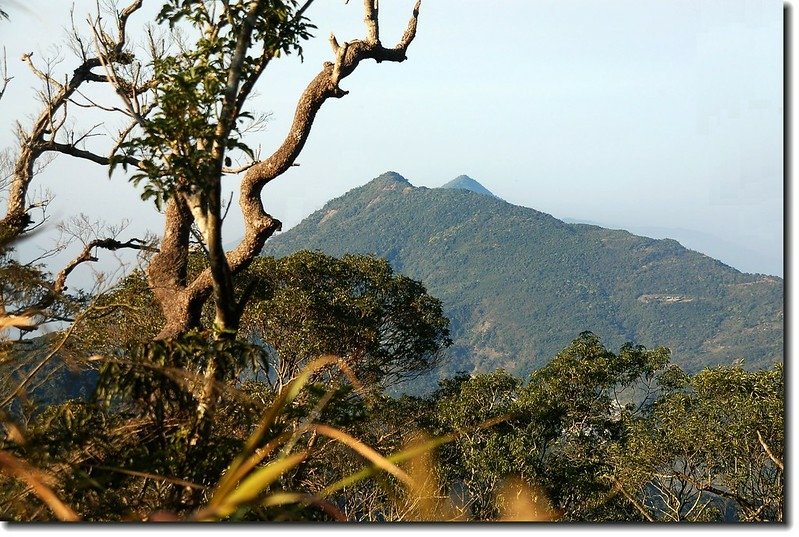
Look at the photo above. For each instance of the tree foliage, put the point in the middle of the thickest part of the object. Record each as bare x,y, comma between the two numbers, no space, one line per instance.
177,150
561,424
385,326
712,447
592,436
620,437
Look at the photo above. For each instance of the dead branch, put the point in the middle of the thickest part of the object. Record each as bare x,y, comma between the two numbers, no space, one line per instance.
71,150
239,169
86,255
42,135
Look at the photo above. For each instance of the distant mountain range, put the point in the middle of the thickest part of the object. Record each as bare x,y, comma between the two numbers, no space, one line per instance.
732,253
518,285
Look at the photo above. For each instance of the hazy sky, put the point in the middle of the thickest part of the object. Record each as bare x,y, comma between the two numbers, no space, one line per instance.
658,116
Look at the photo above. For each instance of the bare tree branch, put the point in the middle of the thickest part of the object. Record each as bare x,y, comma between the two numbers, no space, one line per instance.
769,453
4,78
41,137
86,255
69,149
370,18
33,372
266,56
122,22
745,504
44,77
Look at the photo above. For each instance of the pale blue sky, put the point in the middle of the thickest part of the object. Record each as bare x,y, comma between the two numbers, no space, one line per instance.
646,115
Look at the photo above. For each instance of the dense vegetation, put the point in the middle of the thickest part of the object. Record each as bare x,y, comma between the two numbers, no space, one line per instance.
383,325
591,436
518,284
103,417
218,385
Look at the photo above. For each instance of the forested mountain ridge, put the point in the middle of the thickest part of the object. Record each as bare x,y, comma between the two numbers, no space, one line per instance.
519,284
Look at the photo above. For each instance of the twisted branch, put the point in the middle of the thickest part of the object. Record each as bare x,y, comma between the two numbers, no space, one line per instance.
86,255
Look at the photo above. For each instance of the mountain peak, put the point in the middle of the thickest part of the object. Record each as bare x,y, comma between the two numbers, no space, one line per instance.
464,182
390,180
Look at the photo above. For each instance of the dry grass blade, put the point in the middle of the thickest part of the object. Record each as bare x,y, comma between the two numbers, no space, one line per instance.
22,322
244,461
425,501
521,502
380,462
13,432
24,472
394,459
251,488
409,453
148,475
350,374
236,475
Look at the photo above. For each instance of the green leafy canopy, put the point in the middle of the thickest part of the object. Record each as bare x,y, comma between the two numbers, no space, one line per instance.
190,87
